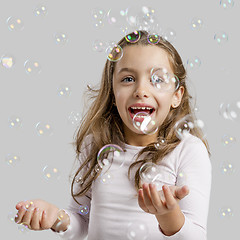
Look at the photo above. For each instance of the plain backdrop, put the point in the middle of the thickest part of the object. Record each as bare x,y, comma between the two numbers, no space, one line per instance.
34,97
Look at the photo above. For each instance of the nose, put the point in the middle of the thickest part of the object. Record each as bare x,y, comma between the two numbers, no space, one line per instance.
141,90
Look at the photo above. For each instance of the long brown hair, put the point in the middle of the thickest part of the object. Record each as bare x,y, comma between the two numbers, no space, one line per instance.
103,123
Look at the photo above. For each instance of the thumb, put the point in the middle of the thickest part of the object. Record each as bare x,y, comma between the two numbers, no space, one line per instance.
182,192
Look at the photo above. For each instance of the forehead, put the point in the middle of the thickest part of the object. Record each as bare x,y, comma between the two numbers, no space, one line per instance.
143,58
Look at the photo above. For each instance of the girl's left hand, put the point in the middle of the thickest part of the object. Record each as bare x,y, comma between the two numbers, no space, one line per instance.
162,202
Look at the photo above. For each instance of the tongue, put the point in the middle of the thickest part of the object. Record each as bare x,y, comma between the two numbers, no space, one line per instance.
140,110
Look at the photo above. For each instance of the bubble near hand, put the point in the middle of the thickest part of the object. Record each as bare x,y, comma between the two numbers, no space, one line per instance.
137,230
144,122
164,81
107,154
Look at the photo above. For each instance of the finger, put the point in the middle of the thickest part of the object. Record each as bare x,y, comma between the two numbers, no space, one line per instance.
141,200
35,225
147,198
19,204
43,221
182,192
20,215
156,200
28,215
170,201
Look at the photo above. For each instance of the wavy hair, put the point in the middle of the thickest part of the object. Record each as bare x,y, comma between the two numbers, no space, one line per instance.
104,123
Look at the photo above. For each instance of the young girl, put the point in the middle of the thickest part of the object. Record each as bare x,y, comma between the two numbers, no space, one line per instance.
126,207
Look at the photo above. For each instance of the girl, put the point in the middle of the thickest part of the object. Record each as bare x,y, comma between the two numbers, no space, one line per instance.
126,207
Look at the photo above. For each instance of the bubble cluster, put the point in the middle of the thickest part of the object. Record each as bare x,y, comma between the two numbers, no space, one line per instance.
15,24
51,173
221,37
44,129
32,67
137,230
106,155
7,61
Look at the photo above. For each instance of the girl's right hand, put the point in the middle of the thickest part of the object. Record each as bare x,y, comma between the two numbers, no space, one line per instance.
37,214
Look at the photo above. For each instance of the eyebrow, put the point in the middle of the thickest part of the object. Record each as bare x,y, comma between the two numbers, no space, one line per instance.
125,69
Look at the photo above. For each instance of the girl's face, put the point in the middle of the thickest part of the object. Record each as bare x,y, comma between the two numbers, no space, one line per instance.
132,85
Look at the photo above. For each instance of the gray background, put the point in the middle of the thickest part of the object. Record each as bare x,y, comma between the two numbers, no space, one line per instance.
34,98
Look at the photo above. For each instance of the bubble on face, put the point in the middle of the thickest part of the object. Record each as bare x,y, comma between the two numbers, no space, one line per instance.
137,230
133,37
163,81
74,117
233,110
51,173
61,38
226,4
15,24
32,67
228,140
194,62
153,38
7,61
44,129
12,159
169,34
114,53
14,122
106,155
221,37
196,23
227,168
144,122
40,10
64,90
226,212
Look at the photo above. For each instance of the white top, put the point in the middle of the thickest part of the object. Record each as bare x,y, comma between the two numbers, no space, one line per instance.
114,204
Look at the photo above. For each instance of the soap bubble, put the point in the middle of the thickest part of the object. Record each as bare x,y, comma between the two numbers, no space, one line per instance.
99,45
106,155
153,38
143,121
83,210
223,111
196,23
226,212
133,37
32,67
40,10
164,81
116,17
228,140
227,168
44,129
15,122
7,61
221,37
226,4
64,90
61,38
114,53
169,34
12,159
98,14
137,230
233,110
74,118
194,62
15,24
51,173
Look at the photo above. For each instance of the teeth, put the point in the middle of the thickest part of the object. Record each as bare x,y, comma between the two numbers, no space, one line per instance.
143,108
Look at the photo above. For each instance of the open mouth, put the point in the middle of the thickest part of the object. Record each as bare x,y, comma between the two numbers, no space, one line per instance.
147,111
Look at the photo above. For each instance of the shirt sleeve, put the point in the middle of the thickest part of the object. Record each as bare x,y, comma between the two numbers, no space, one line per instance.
78,228
195,171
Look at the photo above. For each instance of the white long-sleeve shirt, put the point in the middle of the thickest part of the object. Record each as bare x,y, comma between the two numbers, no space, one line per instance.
114,205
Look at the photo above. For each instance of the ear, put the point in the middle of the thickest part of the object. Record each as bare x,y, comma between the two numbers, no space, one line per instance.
177,97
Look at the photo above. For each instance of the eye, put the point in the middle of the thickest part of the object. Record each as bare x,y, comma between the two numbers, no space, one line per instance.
157,79
127,79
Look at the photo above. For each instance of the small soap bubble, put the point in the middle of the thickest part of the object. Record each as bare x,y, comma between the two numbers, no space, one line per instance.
133,37
223,111
106,155
51,173
221,37
40,10
132,13
144,122
137,230
114,53
98,14
12,216
153,38
226,4
83,209
233,110
44,129
196,23
169,35
15,24
99,45
163,81
116,17
74,117
184,126
23,228
32,67
106,178
182,178
226,212
7,61
227,168
98,24
228,140
12,159
15,122
64,90
148,12
194,62
61,38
